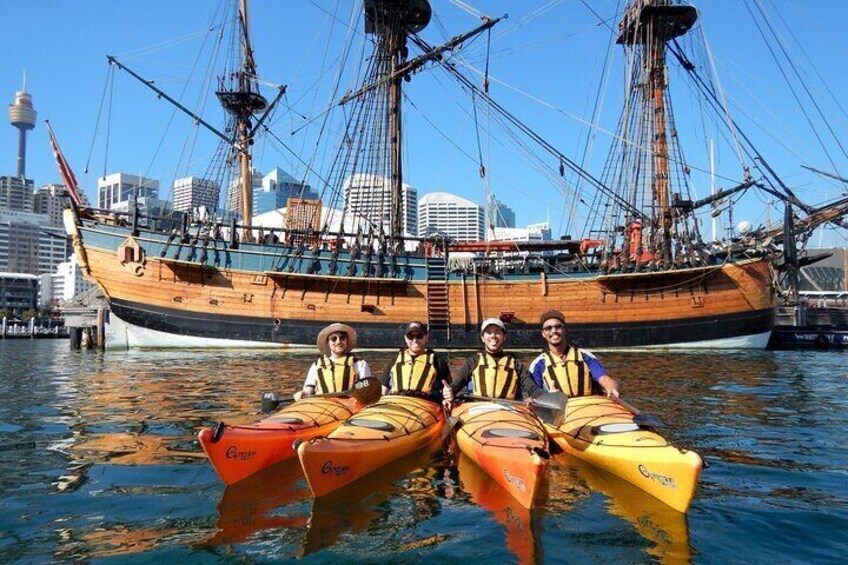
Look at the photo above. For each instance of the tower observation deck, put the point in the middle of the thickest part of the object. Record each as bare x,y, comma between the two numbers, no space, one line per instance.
22,115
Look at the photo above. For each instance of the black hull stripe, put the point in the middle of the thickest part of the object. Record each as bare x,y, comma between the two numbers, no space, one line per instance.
386,335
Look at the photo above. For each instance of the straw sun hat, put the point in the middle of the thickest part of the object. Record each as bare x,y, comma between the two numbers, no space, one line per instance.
324,335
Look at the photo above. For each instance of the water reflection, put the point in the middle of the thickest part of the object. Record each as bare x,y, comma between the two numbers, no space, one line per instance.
107,464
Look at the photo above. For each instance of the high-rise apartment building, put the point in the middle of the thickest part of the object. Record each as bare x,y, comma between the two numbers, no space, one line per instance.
500,215
370,197
234,192
48,200
277,187
28,244
122,187
16,194
451,215
194,192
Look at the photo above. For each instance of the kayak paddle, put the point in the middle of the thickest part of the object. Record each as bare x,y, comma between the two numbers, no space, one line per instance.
365,391
642,419
549,407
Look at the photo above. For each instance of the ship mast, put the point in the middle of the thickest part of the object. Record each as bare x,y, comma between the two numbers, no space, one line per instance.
242,103
648,25
392,21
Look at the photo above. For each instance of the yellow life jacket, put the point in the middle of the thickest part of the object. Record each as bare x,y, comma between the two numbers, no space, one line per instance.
496,378
335,376
414,373
572,376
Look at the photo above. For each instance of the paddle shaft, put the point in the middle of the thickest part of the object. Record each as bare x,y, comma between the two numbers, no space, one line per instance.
366,391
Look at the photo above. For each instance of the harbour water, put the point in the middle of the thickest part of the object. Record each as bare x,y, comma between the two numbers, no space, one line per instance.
101,465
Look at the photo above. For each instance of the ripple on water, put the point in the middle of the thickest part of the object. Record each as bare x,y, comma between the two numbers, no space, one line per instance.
107,467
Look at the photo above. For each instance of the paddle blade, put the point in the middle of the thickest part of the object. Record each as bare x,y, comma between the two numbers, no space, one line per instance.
367,391
550,407
270,402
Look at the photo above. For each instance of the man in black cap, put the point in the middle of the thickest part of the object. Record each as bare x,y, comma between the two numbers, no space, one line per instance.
417,369
493,372
563,366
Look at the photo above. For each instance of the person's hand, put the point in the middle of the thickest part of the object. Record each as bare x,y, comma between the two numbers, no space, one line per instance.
528,401
447,398
610,386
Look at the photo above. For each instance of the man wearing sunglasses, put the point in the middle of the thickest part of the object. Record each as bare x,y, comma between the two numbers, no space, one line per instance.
337,368
417,369
493,372
564,367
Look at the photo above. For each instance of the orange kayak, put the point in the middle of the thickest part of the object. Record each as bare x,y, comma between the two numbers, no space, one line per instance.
381,433
240,451
508,442
602,432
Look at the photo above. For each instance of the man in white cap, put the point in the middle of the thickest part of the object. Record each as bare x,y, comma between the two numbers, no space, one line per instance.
416,368
493,372
337,368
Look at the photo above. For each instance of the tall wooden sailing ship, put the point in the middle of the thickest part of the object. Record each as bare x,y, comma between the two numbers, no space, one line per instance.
644,279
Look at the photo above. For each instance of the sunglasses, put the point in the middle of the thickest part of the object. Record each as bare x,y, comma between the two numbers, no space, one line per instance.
553,327
414,336
340,337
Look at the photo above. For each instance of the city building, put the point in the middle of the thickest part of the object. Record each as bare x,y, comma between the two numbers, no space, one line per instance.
370,197
18,292
16,194
194,192
29,244
277,187
63,284
48,200
500,215
450,215
121,187
233,207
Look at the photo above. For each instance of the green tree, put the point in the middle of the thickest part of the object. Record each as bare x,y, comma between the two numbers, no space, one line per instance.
5,313
28,315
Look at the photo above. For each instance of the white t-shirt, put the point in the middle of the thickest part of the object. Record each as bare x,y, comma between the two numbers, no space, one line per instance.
360,368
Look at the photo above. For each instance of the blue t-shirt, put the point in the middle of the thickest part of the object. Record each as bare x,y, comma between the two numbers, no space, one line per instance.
537,367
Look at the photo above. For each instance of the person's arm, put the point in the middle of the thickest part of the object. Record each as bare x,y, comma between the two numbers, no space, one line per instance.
600,376
527,386
386,378
442,391
537,370
309,385
363,370
460,381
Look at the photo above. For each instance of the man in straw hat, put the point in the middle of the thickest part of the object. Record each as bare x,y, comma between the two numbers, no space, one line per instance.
563,366
337,368
493,372
418,369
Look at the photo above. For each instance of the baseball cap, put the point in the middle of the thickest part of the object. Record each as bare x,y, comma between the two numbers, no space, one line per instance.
555,314
417,327
492,322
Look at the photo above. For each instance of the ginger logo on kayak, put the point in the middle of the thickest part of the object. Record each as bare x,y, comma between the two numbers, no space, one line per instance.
328,468
234,453
517,481
661,479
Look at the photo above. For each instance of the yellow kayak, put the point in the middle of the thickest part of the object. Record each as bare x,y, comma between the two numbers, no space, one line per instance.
601,432
381,433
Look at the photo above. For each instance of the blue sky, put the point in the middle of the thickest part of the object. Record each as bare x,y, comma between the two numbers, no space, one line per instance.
551,51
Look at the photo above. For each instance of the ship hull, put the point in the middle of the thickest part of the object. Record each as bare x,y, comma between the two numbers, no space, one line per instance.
267,296
141,325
